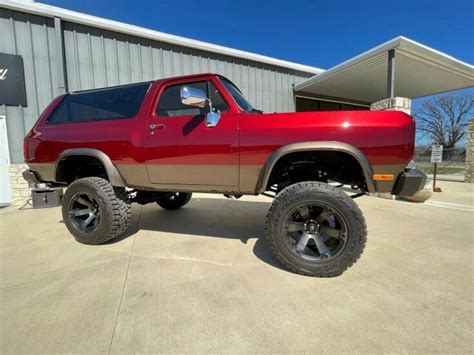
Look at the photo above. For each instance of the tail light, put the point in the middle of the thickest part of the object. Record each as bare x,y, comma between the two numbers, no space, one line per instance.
26,154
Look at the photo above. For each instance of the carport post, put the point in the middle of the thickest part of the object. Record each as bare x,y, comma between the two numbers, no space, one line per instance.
391,74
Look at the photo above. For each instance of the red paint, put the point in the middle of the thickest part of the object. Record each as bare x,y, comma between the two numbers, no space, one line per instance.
386,137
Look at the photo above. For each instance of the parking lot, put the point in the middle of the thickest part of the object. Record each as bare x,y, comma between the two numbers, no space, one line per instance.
202,279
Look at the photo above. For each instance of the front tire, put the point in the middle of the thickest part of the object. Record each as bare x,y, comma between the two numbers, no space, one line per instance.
315,229
94,211
174,201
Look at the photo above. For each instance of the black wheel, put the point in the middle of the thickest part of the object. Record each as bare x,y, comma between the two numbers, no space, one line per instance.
94,211
174,200
315,229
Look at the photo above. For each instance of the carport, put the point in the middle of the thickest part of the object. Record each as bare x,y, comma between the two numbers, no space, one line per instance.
399,67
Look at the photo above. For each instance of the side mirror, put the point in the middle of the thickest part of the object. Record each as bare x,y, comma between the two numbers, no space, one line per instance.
212,119
193,97
197,98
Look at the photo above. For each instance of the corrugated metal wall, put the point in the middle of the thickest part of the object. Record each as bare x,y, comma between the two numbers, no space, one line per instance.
97,58
32,37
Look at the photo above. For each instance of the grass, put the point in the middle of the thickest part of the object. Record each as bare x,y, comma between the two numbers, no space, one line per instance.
442,170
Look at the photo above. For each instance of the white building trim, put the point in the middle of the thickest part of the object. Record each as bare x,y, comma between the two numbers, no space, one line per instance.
94,21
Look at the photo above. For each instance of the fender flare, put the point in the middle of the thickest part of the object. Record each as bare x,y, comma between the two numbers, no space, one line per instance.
113,174
334,146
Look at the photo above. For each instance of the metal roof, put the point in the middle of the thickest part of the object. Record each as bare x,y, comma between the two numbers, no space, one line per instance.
419,71
88,20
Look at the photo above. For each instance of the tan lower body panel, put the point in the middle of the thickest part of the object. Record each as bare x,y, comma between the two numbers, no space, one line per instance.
249,175
211,175
385,186
44,170
134,174
210,178
205,178
199,178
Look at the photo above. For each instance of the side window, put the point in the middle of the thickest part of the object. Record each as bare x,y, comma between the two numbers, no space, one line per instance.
170,101
101,104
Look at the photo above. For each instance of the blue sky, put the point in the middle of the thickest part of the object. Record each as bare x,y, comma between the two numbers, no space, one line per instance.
317,33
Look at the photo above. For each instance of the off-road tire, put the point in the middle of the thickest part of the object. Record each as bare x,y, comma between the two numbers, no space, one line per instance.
309,192
179,200
114,206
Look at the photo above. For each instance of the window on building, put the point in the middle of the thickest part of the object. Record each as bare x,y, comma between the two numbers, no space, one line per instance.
103,104
304,104
170,101
329,106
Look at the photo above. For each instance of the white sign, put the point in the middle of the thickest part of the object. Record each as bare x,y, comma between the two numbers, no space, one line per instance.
436,153
3,74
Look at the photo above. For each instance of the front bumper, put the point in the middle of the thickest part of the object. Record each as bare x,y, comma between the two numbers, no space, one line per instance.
409,183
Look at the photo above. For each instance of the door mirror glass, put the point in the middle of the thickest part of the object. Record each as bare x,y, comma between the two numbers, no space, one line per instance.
193,97
212,119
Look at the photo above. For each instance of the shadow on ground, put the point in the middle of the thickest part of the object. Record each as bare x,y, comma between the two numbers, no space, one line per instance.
209,217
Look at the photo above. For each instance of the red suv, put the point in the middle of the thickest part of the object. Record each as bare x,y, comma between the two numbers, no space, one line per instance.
160,141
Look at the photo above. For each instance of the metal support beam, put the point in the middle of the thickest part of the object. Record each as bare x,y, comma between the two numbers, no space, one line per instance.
61,55
391,74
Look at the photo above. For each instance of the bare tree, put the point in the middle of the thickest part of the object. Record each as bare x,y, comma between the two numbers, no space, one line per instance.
444,118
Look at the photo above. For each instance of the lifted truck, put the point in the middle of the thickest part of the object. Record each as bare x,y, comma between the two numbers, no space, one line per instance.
160,141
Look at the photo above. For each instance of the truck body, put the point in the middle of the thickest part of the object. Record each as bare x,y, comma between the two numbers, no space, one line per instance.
160,141
180,153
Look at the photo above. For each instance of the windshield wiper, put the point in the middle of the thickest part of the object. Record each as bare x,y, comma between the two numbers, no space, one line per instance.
256,111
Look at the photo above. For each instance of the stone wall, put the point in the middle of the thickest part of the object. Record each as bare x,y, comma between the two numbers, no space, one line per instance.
468,176
19,187
393,104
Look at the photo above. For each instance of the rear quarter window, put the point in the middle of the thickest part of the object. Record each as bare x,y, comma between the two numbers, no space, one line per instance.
103,104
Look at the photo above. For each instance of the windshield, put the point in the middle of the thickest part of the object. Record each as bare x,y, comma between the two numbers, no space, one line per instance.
237,95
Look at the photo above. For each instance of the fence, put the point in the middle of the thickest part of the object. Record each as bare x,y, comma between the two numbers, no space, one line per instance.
453,161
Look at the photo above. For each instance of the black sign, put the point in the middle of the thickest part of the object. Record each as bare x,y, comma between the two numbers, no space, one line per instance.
12,80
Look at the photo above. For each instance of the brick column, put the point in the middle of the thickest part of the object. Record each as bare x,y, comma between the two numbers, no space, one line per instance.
19,187
468,175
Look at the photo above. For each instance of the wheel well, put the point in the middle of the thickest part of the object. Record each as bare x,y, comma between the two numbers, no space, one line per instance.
75,167
316,166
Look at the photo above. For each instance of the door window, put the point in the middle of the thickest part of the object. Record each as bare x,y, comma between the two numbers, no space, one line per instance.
170,101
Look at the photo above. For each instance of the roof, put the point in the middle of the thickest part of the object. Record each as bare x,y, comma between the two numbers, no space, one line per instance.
94,21
419,71
161,80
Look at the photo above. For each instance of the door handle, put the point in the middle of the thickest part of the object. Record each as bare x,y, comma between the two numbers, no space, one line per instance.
154,126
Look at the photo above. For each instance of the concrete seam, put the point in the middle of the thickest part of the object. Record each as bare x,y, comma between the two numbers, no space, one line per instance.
124,284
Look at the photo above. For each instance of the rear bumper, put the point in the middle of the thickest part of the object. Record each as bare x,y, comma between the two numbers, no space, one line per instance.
31,177
409,183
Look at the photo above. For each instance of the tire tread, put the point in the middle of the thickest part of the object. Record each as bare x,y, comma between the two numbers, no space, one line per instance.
347,259
118,202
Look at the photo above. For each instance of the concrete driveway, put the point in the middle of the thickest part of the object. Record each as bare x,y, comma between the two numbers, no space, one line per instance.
201,279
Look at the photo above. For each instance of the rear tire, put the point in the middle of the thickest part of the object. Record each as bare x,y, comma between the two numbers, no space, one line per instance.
174,201
315,229
94,211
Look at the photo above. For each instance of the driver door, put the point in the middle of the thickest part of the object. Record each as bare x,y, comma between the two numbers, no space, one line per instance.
182,152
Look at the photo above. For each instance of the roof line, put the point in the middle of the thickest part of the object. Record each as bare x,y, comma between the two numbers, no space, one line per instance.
401,43
435,51
94,21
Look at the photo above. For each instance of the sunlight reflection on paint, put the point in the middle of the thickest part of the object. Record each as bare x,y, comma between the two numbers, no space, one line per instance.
346,124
